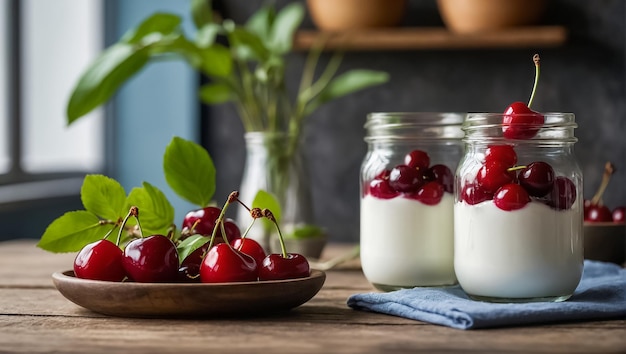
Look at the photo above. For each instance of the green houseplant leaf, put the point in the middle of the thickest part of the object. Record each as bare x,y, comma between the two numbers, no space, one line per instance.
284,27
160,23
156,214
201,12
72,231
189,171
216,93
217,61
104,197
110,70
265,200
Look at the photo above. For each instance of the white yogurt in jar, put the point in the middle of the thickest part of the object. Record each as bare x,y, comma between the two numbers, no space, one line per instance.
405,243
535,252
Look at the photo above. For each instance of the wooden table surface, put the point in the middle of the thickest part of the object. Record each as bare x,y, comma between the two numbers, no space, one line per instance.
36,318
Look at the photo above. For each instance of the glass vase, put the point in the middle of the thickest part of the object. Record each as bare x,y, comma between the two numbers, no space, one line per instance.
275,163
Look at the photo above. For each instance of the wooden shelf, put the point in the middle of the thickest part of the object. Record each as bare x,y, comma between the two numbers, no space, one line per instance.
420,38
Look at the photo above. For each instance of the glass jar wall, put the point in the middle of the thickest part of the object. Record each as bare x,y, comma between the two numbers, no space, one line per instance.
407,181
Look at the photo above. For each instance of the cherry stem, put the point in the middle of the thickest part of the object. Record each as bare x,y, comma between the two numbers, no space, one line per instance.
219,223
133,211
516,168
532,95
606,177
269,215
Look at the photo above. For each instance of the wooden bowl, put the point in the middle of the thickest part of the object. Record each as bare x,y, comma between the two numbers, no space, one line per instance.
342,15
472,16
605,241
128,299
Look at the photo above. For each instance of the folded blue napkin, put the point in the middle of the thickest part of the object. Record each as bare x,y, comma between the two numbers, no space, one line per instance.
601,294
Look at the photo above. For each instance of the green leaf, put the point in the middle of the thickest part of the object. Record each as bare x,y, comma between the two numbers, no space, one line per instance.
217,61
216,93
346,83
261,22
247,45
306,231
206,35
189,171
190,244
266,200
160,23
104,197
110,70
284,27
156,214
72,231
201,12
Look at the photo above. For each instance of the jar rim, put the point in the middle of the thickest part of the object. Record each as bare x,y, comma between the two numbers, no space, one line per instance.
557,127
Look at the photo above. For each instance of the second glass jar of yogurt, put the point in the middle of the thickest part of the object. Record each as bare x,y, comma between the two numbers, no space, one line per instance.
407,182
518,210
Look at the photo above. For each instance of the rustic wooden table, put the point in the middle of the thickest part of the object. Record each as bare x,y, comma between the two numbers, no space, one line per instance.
36,318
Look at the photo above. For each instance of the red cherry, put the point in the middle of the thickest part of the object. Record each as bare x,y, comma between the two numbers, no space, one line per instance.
429,194
224,264
618,214
503,153
493,175
473,194
152,259
443,175
520,122
563,194
537,178
249,247
380,188
277,267
598,213
204,220
406,179
417,159
100,260
511,197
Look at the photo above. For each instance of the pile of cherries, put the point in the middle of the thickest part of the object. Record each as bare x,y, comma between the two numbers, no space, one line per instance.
511,187
415,179
227,256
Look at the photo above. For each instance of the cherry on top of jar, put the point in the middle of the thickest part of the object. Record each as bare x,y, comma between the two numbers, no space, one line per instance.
414,125
557,128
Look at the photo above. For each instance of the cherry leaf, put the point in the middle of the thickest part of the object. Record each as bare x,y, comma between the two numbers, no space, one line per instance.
156,214
72,231
103,196
190,244
189,171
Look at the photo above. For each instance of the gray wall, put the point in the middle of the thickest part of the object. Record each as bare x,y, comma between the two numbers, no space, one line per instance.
586,76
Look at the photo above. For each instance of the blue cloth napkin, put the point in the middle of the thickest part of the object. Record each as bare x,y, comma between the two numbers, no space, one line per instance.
601,294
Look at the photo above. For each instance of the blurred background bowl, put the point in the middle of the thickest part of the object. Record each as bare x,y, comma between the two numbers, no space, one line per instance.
605,241
471,16
343,15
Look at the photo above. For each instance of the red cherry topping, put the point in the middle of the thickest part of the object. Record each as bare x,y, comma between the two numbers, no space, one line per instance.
520,122
493,175
406,179
473,194
563,194
380,188
503,153
429,194
224,264
442,175
511,197
100,260
537,178
276,267
417,159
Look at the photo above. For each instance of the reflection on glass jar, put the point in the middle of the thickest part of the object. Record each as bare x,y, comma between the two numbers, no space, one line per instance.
518,211
407,181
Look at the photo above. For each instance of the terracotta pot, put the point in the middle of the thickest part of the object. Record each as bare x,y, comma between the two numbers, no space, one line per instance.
471,16
342,15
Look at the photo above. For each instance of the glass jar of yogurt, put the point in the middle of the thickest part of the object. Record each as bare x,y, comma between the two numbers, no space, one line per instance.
407,200
518,210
